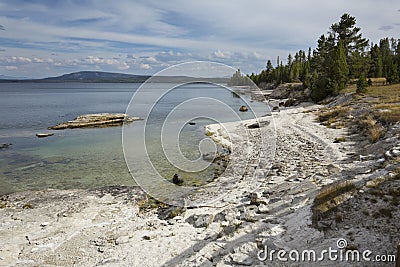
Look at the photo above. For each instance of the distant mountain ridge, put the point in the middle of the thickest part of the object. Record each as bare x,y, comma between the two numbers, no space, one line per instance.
113,77
5,77
85,76
97,76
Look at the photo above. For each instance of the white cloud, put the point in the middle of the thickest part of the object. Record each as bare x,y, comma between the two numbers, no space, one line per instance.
153,35
123,66
15,59
11,68
220,54
145,66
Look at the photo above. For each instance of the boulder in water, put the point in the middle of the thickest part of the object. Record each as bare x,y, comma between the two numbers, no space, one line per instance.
5,146
243,108
177,180
42,135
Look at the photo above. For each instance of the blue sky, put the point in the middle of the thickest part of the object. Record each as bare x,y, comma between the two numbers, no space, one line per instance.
49,38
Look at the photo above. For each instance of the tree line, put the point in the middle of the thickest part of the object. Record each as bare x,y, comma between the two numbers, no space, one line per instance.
341,55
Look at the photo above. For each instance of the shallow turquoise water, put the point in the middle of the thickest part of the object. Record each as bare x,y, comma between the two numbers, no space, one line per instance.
88,158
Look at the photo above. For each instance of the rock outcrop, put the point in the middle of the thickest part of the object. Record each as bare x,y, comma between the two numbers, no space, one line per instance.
294,91
95,120
5,146
243,109
42,135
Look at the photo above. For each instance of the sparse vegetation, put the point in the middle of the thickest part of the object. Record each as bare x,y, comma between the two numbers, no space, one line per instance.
209,133
149,203
340,139
330,116
330,197
376,132
386,212
27,206
330,192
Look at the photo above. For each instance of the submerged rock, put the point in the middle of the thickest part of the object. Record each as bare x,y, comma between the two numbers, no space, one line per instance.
95,120
5,146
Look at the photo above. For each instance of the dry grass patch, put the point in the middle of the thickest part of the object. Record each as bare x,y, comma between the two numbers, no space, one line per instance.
376,132
330,197
371,128
340,139
330,116
386,91
388,113
332,191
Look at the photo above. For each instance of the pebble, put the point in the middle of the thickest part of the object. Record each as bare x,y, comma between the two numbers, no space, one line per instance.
122,240
202,220
381,160
395,152
263,209
241,259
388,154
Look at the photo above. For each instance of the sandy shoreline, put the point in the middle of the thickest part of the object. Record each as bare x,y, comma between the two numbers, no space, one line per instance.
106,227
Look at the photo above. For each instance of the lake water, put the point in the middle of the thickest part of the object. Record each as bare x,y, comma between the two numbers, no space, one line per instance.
92,158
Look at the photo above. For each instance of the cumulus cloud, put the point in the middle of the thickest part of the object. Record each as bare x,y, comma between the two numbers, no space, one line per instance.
11,67
220,54
145,66
145,36
15,59
123,66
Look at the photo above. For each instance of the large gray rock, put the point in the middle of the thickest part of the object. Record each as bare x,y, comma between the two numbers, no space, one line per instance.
202,220
241,259
292,91
95,120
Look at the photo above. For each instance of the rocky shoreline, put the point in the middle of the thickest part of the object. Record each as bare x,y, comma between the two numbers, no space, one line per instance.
120,226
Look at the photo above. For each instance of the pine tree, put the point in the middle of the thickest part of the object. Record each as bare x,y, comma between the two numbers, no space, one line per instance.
346,31
362,84
376,62
353,42
289,73
269,66
339,68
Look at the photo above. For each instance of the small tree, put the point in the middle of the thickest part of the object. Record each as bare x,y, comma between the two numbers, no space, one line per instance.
339,69
238,79
362,84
